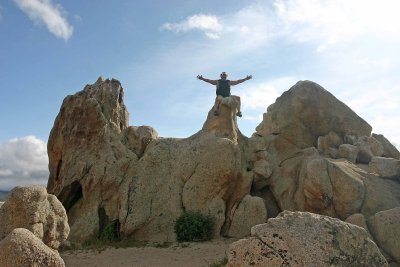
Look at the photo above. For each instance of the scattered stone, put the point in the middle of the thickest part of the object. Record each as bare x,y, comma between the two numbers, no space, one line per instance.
250,211
385,167
389,150
331,140
368,147
348,152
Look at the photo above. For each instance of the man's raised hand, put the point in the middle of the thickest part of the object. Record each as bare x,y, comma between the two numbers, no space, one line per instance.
200,77
248,77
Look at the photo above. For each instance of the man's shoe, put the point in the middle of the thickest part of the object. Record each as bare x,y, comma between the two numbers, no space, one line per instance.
216,113
239,114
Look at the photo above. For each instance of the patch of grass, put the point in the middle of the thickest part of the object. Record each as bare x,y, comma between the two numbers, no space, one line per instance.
101,245
163,245
194,226
108,233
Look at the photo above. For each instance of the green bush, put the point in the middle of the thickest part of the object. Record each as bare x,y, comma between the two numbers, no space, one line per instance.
109,233
194,226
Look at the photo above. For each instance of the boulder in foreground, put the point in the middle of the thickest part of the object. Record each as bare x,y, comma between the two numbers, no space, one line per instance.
22,248
305,239
33,209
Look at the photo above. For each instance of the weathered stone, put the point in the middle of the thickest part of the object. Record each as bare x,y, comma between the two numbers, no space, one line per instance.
262,170
348,152
137,138
250,211
307,111
253,252
350,139
380,194
389,150
385,227
330,140
320,185
223,125
305,239
33,209
141,183
368,147
385,167
22,248
105,172
359,220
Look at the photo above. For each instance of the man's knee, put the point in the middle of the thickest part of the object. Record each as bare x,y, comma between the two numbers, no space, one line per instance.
218,98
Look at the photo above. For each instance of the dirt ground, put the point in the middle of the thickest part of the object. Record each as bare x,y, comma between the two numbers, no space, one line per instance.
176,254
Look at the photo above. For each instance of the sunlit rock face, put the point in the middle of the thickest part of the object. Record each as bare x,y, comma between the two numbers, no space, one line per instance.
310,153
305,239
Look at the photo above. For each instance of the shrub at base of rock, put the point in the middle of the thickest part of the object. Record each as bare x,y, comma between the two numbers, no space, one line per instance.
194,226
305,239
22,248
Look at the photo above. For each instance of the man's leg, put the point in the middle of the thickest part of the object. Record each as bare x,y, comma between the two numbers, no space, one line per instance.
237,100
218,100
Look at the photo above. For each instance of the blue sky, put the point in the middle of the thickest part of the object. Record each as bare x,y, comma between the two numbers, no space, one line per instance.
50,49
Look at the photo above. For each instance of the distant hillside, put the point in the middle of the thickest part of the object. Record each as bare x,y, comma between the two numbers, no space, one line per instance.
3,195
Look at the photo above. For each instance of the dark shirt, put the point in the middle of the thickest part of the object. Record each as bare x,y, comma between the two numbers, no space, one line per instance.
224,88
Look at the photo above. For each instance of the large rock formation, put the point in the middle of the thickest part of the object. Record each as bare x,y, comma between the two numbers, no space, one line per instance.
106,172
310,153
305,239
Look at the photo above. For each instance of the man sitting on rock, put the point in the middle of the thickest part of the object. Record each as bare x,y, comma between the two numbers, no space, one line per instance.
224,90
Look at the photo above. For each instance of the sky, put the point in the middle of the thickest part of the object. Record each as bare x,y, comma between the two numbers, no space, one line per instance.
52,48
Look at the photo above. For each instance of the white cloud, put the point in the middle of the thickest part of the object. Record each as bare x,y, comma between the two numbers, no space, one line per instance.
260,95
44,11
254,119
209,24
352,48
23,161
324,23
334,21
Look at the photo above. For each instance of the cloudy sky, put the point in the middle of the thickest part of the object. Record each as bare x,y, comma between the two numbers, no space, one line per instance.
52,48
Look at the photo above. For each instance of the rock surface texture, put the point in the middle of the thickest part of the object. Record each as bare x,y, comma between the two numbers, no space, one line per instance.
22,248
35,210
310,153
305,239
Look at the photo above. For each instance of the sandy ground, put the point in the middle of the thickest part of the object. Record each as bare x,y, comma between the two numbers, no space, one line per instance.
184,254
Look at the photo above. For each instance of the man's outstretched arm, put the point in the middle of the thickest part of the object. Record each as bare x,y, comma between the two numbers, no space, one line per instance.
213,82
248,77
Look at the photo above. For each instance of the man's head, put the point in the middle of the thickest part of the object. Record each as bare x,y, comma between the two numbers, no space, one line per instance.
223,75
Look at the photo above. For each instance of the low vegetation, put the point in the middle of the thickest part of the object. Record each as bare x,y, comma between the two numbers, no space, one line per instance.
194,226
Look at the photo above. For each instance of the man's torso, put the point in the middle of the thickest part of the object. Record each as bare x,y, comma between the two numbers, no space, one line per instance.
223,88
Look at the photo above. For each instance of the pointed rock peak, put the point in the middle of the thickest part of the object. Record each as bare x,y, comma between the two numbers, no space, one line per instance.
100,80
224,124
307,111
